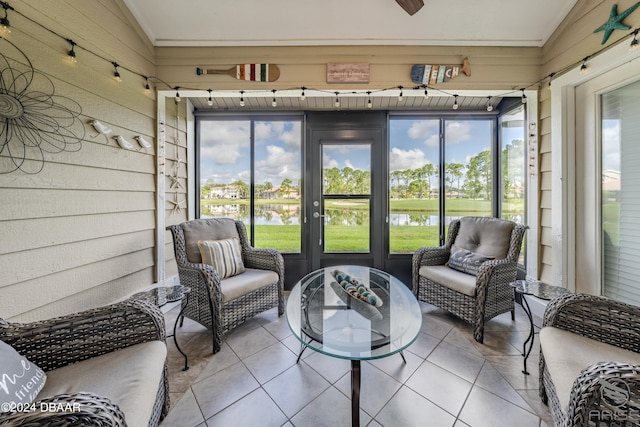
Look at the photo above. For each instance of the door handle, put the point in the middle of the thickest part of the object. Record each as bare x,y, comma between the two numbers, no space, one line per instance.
317,215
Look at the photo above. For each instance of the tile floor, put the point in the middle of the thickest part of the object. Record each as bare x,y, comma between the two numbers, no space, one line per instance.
448,380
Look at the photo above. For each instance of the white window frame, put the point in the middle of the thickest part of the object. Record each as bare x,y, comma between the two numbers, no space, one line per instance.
563,146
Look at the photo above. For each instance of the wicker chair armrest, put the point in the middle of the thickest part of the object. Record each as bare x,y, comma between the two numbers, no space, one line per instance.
61,341
593,394
495,271
264,259
79,409
599,318
428,255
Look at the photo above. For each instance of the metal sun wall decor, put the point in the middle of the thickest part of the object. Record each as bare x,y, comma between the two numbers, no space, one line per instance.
33,119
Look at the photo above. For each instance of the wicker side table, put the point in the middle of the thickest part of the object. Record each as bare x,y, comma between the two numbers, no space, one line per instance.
541,291
163,295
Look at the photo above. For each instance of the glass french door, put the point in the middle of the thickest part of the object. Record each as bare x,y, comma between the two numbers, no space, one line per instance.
346,204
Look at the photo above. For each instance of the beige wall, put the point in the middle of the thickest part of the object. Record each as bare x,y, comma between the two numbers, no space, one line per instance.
572,41
81,233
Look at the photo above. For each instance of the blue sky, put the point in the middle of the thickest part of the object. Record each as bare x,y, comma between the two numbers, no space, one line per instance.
225,144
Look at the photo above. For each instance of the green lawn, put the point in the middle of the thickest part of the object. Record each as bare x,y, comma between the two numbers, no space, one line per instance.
348,238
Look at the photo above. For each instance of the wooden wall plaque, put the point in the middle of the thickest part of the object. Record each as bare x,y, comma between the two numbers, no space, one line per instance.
348,73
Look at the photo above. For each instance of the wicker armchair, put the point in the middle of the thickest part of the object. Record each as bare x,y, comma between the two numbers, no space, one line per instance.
588,344
63,341
211,302
477,297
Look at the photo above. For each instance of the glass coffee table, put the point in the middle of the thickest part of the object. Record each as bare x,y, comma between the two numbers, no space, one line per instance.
383,320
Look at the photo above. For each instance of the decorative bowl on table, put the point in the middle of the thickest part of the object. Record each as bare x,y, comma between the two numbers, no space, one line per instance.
356,294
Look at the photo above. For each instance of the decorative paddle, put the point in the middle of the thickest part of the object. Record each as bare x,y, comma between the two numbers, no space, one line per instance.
433,74
254,72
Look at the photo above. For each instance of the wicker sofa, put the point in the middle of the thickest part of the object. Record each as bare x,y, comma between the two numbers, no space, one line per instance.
109,364
590,361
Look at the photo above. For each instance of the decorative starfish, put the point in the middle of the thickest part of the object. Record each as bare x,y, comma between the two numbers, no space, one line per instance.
177,204
615,22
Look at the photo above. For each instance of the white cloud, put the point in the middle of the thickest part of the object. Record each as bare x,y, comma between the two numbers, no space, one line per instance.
427,130
223,142
406,159
278,164
457,132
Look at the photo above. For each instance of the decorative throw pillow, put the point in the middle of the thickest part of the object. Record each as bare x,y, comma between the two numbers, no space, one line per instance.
20,380
224,255
466,261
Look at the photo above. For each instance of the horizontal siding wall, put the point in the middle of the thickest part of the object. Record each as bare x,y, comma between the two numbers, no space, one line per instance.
500,68
571,42
81,233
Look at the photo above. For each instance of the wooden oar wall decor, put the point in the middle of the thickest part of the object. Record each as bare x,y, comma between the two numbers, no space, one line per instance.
434,74
251,72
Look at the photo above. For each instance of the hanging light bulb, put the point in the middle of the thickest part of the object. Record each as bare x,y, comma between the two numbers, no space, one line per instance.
425,91
147,88
242,98
489,106
177,94
455,102
634,42
337,103
302,95
274,103
4,22
210,100
524,97
583,68
369,103
116,74
550,80
71,54
400,99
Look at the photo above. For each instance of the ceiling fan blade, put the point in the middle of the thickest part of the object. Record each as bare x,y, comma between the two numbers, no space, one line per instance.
411,6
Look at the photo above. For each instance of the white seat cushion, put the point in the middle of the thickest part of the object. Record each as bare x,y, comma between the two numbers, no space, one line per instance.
247,282
128,377
567,354
452,279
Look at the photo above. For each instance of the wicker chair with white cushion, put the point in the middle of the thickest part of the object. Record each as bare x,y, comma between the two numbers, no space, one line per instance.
590,361
233,282
469,276
104,367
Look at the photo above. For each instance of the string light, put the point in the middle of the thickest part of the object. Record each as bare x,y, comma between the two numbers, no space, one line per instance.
147,88
634,42
583,68
489,106
177,88
524,97
242,98
210,100
71,55
302,95
116,74
337,103
550,80
274,103
4,22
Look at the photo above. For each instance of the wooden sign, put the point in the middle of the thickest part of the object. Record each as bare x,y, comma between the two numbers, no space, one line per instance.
434,74
348,73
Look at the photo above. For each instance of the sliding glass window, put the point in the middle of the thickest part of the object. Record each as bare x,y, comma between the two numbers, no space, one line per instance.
251,169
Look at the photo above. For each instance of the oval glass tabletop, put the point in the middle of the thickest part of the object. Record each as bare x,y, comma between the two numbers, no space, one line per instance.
353,312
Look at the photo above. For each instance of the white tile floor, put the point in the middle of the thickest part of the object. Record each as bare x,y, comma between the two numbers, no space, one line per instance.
448,379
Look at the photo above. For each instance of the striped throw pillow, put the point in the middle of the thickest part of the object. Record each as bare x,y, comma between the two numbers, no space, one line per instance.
224,255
